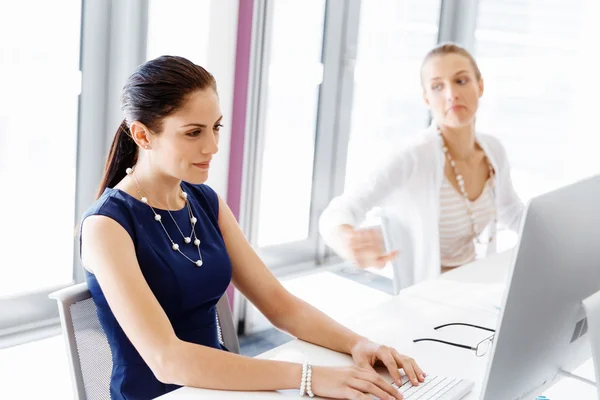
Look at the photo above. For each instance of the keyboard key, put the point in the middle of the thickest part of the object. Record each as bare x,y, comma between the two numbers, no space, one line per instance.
434,388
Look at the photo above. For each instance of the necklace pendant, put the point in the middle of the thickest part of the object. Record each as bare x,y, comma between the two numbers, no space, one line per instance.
194,220
198,263
187,240
197,242
175,246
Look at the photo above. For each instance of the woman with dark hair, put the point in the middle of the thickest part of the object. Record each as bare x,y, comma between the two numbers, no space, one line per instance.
160,248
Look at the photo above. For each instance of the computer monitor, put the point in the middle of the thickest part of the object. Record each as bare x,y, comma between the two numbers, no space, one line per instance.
555,266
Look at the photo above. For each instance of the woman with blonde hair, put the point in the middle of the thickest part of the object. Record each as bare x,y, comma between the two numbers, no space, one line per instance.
448,189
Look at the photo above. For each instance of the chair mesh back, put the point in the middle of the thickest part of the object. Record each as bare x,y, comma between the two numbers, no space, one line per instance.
93,350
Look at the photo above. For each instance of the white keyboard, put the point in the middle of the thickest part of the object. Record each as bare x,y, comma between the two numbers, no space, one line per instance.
435,388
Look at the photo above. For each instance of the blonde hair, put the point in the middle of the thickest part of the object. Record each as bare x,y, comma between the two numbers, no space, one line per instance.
451,48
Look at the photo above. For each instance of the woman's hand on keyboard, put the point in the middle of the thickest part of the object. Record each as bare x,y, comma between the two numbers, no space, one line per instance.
367,354
351,383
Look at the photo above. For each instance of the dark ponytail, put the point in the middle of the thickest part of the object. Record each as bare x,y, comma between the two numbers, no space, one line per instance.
156,89
122,155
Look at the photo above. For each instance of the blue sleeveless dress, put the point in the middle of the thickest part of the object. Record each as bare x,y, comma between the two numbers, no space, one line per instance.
188,294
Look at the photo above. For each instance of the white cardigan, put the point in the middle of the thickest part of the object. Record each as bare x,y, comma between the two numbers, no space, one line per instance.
407,187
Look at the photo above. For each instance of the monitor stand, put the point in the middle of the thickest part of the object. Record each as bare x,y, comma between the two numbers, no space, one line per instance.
591,305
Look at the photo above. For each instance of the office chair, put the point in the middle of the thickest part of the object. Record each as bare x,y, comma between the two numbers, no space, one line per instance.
90,358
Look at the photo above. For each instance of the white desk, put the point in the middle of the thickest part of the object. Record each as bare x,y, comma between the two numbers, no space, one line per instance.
407,316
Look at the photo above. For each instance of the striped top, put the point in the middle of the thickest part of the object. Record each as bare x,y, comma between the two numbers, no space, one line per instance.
457,245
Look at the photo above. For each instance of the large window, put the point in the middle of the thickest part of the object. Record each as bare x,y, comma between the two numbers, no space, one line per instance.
61,79
337,82
288,101
39,107
540,71
332,81
295,73
59,108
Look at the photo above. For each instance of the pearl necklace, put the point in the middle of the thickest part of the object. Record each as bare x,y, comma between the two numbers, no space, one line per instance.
461,185
158,218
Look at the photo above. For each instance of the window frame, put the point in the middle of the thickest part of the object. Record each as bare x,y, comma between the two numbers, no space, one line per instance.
337,56
340,43
109,32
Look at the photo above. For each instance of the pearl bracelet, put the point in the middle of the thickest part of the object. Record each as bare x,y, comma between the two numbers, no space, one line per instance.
306,384
303,382
309,382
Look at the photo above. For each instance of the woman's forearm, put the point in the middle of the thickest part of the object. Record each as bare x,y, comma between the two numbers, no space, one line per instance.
189,364
311,325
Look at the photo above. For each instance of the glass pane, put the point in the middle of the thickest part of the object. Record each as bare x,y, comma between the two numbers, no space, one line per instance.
295,75
394,36
178,28
40,83
539,66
